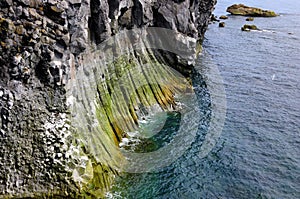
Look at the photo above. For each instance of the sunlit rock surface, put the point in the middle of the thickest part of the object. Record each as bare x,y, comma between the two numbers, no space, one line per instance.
241,9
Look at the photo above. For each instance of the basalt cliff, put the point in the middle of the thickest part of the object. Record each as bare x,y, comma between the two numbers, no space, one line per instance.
45,45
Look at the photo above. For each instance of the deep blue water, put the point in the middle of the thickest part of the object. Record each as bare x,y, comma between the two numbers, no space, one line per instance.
258,152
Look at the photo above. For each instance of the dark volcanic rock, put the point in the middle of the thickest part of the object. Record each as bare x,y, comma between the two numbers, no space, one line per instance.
241,9
5,3
214,18
40,47
222,24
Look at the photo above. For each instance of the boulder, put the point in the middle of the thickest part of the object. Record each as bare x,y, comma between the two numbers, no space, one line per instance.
241,9
223,17
248,27
222,24
250,19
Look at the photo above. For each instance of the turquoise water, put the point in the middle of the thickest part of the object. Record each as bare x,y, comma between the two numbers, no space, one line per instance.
257,155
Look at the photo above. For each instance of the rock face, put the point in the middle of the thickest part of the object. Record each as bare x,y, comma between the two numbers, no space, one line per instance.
241,9
40,47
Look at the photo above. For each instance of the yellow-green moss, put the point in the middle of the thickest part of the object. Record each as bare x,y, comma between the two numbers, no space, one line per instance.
123,87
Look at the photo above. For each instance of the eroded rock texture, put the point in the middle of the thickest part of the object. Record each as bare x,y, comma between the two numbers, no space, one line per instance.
40,42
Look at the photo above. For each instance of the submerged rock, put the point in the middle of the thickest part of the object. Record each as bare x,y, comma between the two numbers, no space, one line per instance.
241,9
250,19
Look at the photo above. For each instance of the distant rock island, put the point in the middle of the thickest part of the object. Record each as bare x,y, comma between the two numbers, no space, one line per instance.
241,9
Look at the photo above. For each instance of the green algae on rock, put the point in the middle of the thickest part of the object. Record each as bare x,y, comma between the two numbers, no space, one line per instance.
117,111
116,90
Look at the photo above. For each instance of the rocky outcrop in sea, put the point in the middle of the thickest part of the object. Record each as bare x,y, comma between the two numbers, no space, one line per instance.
241,9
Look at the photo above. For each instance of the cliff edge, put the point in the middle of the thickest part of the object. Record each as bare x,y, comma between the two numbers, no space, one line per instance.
41,48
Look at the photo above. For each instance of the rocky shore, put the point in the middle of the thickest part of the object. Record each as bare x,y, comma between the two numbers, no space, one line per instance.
41,48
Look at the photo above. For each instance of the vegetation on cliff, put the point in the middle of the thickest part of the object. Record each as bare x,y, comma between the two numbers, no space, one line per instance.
41,50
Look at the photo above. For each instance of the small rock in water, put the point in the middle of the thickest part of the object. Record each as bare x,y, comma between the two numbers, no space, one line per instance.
222,24
223,17
248,27
213,18
250,19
